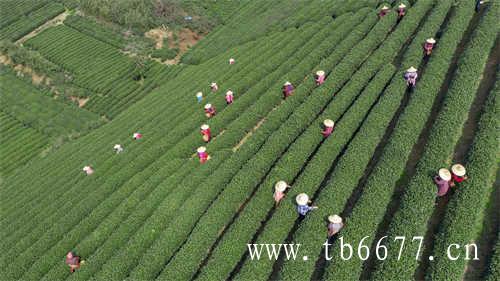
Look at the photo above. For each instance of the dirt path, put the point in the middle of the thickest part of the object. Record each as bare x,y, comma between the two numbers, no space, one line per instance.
248,135
53,22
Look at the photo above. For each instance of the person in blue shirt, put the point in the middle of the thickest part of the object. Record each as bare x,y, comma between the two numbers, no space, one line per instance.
303,204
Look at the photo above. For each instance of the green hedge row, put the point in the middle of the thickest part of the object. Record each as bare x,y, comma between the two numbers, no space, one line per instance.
463,220
230,168
418,201
494,268
149,156
25,24
182,265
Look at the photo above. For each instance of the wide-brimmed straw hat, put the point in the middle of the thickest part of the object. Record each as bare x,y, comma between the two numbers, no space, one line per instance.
287,83
281,186
231,59
402,5
444,174
117,146
320,73
199,94
302,199
335,219
204,127
385,8
458,170
201,149
213,84
412,69
430,40
328,123
208,105
229,93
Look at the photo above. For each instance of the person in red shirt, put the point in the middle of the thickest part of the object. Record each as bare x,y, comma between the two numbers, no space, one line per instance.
73,261
428,46
205,132
458,174
329,126
279,191
384,11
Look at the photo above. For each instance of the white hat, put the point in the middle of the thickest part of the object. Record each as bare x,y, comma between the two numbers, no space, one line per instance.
320,73
117,146
231,59
430,40
199,94
302,199
411,69
229,93
86,168
328,123
213,84
201,149
204,127
287,83
402,5
458,170
335,219
208,105
444,174
281,186
385,8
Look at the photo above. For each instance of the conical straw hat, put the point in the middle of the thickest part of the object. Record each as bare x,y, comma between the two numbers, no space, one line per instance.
213,84
201,149
328,123
458,170
385,8
204,127
302,199
335,219
208,105
402,5
412,69
287,83
229,93
281,186
430,40
444,174
320,73
199,94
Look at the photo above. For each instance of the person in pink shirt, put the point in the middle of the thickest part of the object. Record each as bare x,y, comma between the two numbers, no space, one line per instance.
202,154
329,127
279,191
287,89
442,180
320,77
88,170
137,136
335,224
401,11
205,132
229,97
